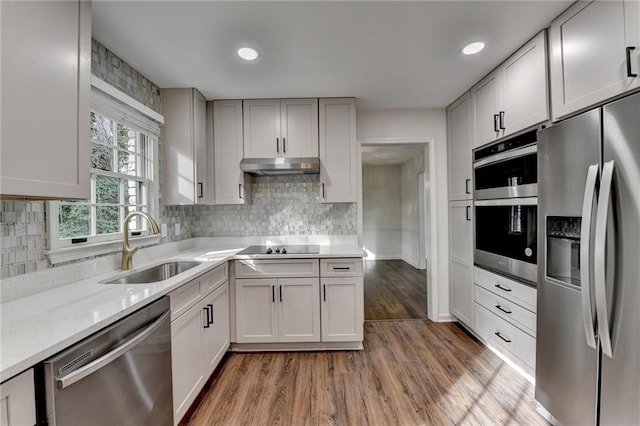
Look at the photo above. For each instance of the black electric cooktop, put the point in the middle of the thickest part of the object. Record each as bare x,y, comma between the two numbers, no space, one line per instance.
284,249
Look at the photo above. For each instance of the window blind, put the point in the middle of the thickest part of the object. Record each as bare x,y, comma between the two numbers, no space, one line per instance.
106,104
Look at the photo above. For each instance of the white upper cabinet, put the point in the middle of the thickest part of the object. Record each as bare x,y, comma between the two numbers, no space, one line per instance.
338,150
280,128
486,98
185,151
514,96
46,66
231,185
299,127
459,132
595,54
526,94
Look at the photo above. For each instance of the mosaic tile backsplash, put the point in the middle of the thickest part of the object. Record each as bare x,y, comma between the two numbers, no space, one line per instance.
282,205
23,237
110,68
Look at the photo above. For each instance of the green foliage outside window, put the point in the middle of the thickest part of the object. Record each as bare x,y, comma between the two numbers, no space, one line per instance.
112,193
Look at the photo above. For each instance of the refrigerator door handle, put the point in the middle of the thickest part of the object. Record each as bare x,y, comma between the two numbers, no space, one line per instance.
600,251
585,255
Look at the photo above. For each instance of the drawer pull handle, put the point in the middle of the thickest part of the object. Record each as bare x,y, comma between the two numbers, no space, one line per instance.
502,288
341,268
506,311
506,339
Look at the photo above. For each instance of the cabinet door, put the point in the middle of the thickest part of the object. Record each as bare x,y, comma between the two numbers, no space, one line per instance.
256,316
187,372
486,101
18,401
299,128
298,310
216,335
588,54
45,80
227,145
204,191
459,130
338,150
183,146
461,260
342,309
262,128
526,101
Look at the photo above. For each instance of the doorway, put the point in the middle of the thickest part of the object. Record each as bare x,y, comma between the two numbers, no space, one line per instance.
395,230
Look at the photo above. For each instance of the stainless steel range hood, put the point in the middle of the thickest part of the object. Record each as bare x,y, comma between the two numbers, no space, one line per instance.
280,166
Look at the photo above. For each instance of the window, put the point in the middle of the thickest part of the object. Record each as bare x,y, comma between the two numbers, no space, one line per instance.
119,182
123,180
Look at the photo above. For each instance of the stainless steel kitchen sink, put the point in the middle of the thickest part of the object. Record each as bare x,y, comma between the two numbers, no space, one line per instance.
161,272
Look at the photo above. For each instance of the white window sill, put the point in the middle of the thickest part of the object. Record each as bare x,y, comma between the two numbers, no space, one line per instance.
69,254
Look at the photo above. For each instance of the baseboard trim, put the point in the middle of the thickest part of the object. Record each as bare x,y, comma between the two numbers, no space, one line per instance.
310,346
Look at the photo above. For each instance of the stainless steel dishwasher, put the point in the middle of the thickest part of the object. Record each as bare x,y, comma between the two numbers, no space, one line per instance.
120,375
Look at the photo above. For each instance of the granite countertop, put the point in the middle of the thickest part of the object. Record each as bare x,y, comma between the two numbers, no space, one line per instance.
37,326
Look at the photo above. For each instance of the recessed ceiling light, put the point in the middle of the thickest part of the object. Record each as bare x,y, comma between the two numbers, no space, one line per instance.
248,53
473,48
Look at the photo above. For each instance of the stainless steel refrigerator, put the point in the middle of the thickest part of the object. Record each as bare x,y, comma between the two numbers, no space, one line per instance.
588,334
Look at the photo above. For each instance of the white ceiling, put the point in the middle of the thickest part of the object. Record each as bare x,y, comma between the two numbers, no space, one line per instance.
388,54
389,155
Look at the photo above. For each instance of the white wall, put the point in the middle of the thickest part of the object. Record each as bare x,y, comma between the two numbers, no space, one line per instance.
415,125
410,214
382,213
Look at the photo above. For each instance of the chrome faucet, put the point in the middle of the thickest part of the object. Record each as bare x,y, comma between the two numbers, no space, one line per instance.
127,253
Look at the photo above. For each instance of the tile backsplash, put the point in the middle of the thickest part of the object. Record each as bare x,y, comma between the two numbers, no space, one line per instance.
23,237
282,205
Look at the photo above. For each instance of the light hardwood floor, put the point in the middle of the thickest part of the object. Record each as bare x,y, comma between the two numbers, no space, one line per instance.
412,372
393,289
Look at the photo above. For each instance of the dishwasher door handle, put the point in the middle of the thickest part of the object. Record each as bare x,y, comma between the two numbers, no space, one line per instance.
107,358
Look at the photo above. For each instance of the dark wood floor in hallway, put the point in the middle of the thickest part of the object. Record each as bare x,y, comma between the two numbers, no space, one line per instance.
393,289
411,372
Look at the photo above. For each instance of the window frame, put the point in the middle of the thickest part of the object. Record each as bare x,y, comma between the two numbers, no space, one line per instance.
62,249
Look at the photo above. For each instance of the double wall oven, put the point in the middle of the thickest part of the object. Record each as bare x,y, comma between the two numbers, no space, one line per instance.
505,201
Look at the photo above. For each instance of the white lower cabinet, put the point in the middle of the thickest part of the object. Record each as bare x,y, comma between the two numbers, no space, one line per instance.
512,342
17,400
216,340
187,347
504,316
342,309
298,302
270,310
461,260
199,336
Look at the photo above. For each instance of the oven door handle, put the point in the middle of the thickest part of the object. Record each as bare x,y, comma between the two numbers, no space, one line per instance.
585,256
523,201
112,355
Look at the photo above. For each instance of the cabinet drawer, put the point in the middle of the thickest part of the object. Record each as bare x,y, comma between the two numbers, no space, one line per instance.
281,268
214,278
184,297
351,267
506,309
512,290
512,342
